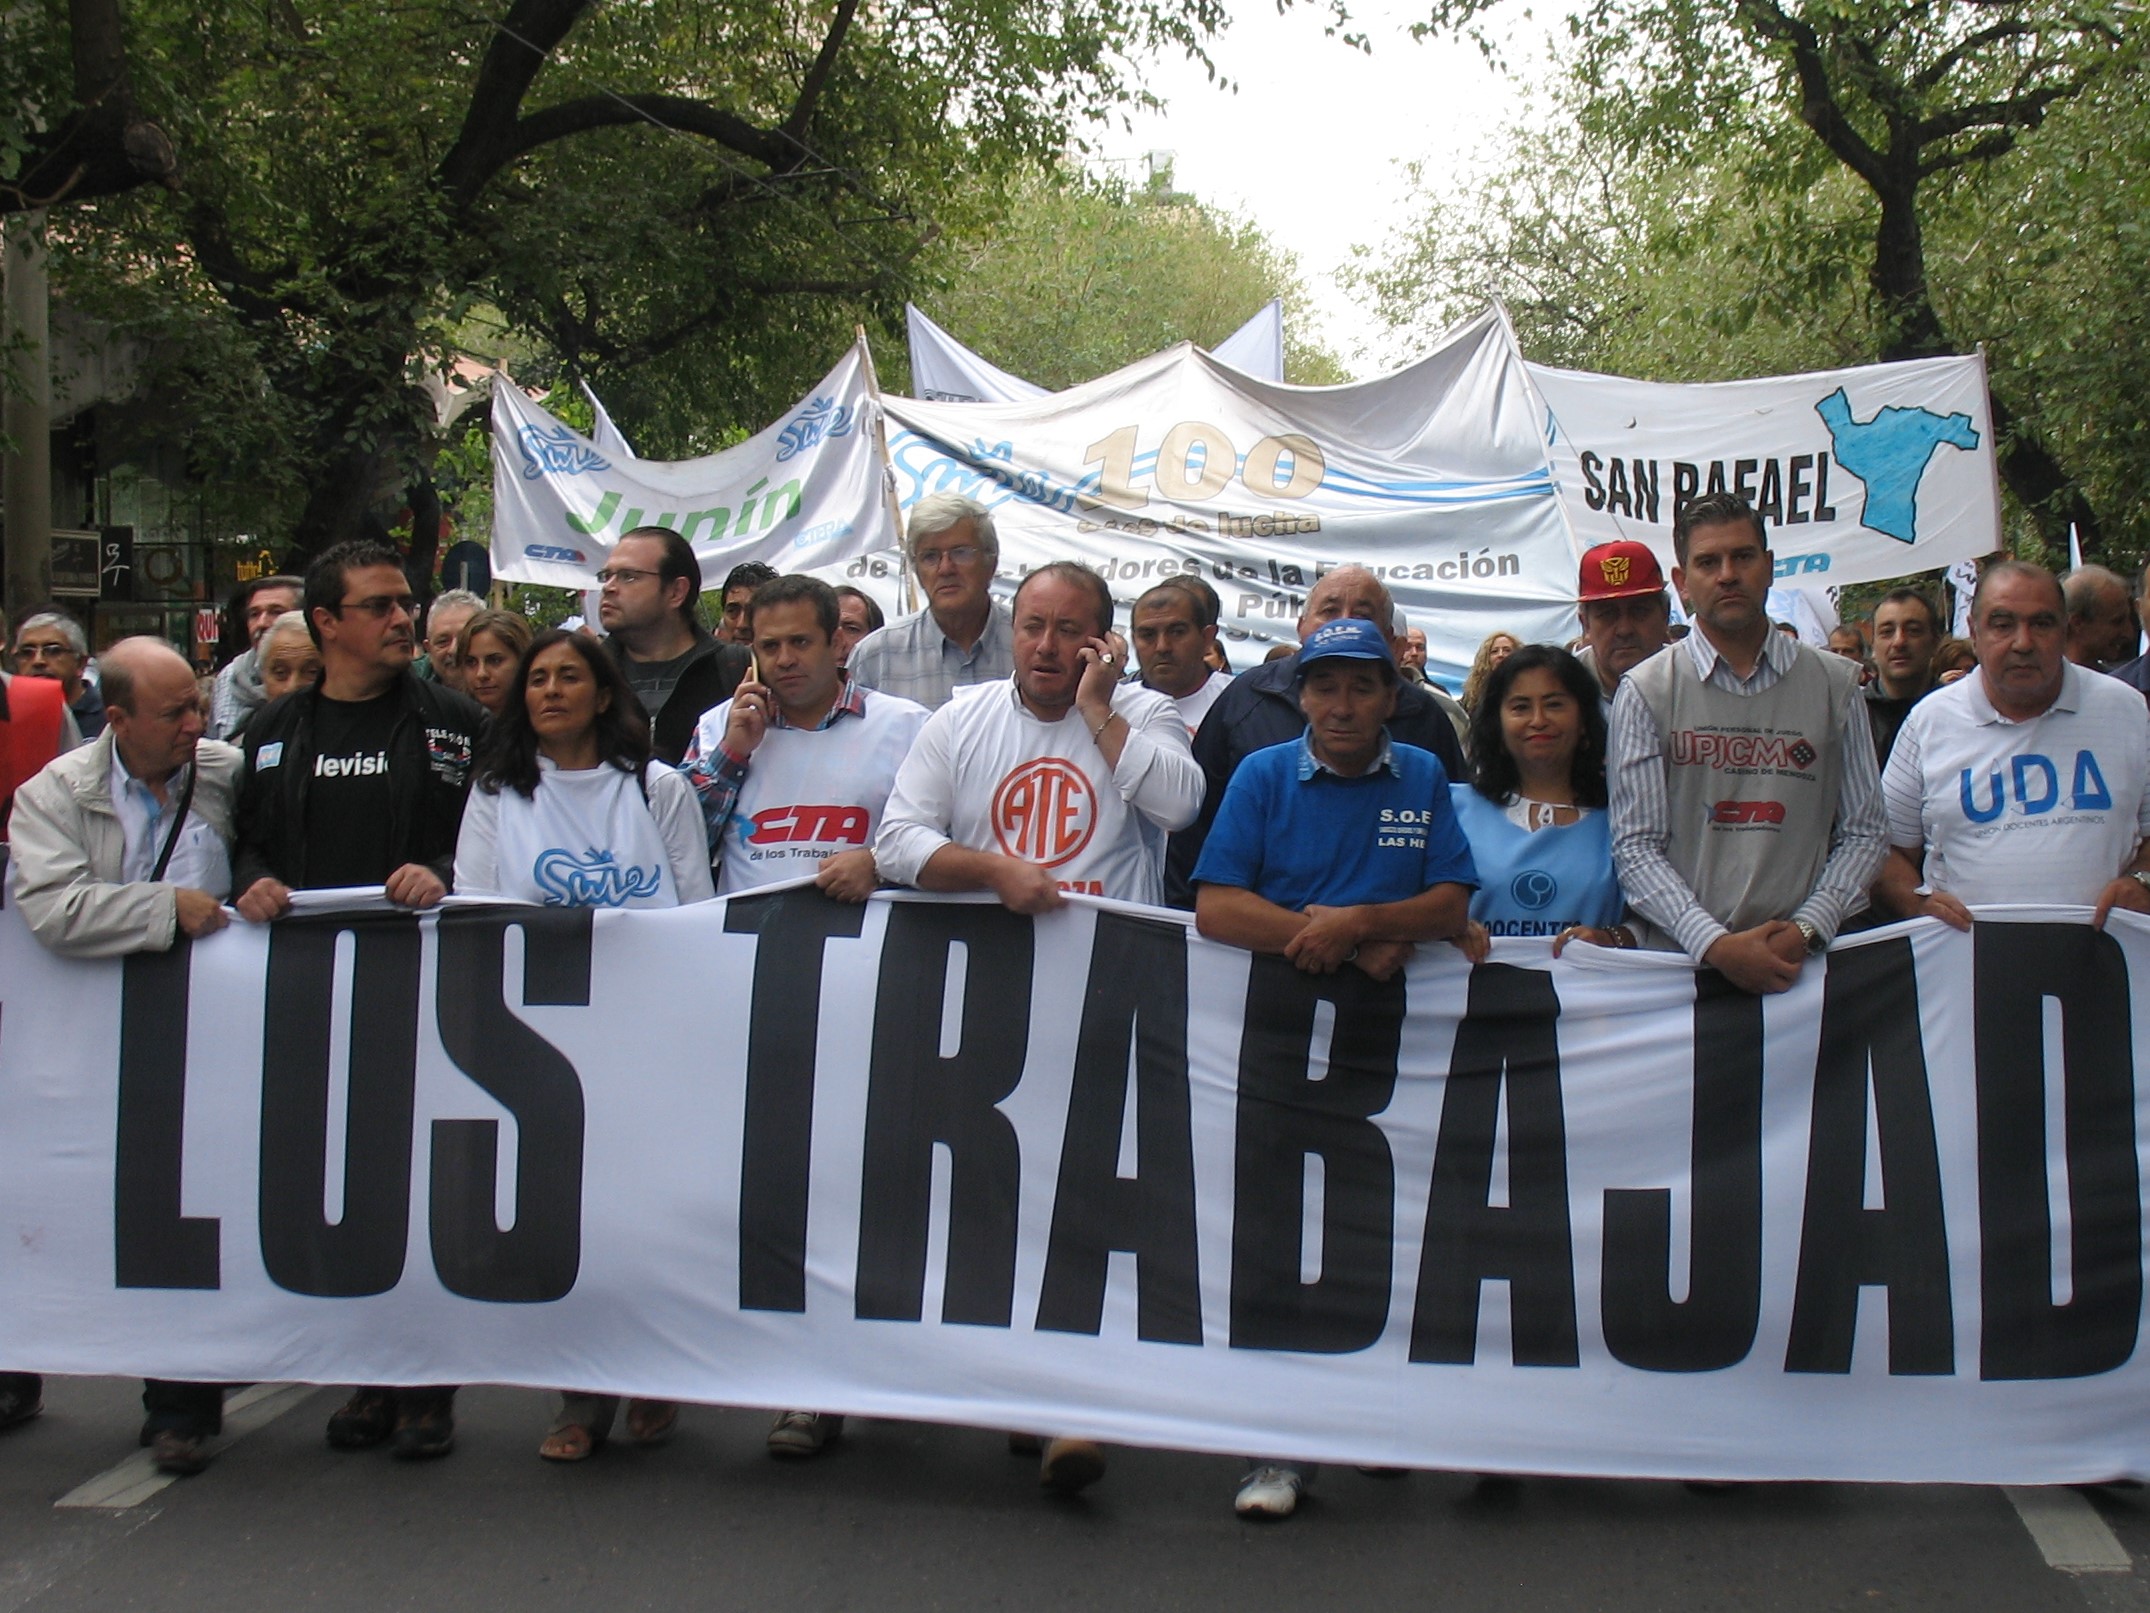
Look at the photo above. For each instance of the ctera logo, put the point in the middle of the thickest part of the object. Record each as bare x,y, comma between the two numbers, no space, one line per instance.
556,551
556,451
595,880
1045,812
1747,812
785,824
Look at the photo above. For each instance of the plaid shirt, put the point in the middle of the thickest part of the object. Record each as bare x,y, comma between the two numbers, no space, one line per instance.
913,658
718,776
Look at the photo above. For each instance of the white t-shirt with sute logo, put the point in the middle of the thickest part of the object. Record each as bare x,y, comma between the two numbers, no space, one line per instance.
988,775
2043,811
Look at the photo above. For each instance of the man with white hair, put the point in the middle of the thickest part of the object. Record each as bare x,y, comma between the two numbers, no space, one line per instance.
2101,618
123,846
445,618
239,692
51,644
962,637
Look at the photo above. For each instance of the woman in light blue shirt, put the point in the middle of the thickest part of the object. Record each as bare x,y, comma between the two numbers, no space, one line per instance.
1534,811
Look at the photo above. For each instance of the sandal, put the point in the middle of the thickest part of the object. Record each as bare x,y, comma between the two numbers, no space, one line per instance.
650,1422
571,1442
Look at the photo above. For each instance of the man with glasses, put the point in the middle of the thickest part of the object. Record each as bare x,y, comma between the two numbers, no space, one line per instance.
52,645
360,780
645,603
120,847
962,637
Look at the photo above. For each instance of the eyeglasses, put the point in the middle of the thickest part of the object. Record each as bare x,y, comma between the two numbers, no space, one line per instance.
379,606
37,652
623,575
963,554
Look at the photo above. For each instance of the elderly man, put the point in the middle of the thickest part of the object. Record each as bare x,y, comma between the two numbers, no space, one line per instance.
360,780
51,644
446,618
122,846
1305,860
1625,612
1412,663
1062,778
239,693
1261,708
35,726
2102,630
646,597
962,637
1174,633
2028,781
1746,806
1907,631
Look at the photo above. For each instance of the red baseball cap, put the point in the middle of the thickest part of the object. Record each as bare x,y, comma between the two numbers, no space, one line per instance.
1619,570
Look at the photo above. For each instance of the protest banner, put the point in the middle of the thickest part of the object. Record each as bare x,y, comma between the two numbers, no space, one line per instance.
809,490
1088,1173
943,370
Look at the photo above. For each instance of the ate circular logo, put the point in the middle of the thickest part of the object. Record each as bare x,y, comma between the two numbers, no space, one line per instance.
1044,812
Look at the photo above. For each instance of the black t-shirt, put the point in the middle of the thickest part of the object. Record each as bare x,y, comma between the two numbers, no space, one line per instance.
349,807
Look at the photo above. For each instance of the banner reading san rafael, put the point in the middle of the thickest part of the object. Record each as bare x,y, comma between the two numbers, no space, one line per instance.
1091,1174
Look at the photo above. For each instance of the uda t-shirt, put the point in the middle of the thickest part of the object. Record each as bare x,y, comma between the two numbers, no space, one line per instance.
350,808
2043,811
1295,833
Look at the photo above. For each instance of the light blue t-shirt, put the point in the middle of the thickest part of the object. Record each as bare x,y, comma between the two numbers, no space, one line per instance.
1538,881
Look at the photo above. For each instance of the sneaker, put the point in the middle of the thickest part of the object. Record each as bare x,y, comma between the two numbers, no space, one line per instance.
365,1420
1268,1492
1071,1465
804,1433
176,1452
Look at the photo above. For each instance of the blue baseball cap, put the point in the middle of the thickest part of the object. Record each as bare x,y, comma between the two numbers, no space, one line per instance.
1348,638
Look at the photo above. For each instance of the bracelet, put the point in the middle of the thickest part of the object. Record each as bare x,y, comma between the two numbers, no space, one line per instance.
1107,723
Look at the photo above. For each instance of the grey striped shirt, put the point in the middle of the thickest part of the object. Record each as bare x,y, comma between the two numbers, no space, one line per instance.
914,659
1635,775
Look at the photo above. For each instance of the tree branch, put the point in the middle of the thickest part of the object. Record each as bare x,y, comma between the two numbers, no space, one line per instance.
817,76
712,123
2017,112
520,47
1818,108
1930,76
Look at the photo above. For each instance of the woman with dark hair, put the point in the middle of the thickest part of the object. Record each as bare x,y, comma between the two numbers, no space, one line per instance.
570,811
1534,811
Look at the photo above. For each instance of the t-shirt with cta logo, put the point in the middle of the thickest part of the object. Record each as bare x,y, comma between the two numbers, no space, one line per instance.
349,804
2043,811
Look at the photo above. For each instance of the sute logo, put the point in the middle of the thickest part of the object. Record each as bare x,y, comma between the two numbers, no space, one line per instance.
1045,812
1747,812
783,825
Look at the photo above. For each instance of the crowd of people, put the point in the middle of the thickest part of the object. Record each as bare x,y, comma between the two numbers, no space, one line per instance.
1728,793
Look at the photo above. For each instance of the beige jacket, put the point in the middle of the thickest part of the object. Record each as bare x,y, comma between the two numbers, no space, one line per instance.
66,846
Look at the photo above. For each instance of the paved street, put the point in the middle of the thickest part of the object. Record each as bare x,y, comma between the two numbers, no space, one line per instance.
901,1516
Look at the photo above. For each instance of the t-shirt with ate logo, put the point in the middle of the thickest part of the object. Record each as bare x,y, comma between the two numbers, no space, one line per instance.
987,774
2043,811
349,805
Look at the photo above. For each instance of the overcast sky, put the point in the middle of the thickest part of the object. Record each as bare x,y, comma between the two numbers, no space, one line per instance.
1311,145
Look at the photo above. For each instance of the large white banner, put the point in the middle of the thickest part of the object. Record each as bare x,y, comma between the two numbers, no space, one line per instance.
943,370
809,491
1858,474
1434,476
1088,1173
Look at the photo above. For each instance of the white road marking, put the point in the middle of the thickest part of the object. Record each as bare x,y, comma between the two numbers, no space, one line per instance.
135,1480
2068,1530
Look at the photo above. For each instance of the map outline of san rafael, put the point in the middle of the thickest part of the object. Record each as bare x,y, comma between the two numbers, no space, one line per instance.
1890,454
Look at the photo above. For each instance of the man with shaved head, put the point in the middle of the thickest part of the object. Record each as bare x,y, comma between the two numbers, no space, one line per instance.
1260,708
124,846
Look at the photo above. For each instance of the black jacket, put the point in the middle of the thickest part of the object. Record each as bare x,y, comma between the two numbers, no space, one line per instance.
711,674
429,757
1260,708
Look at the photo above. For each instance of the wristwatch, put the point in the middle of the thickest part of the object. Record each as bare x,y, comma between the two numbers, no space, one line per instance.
2141,877
1815,943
